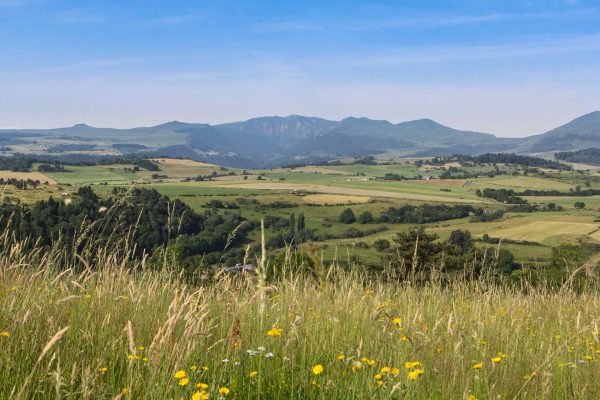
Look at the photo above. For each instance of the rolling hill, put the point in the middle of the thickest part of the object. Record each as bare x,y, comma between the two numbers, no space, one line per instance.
274,141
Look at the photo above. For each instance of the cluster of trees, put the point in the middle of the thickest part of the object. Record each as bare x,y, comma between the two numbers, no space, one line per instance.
52,167
15,164
410,214
418,254
577,191
506,196
21,184
146,218
492,240
511,158
585,156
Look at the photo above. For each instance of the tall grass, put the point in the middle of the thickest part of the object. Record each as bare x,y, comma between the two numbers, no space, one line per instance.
113,328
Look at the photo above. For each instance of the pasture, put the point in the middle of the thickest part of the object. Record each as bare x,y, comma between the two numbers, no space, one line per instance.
321,193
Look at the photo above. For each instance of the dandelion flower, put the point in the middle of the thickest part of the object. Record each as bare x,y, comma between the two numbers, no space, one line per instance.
133,357
224,390
341,357
275,332
183,382
412,364
415,374
4,334
202,386
379,383
588,358
194,367
397,321
385,370
471,397
253,374
180,374
318,369
395,371
102,370
477,366
496,360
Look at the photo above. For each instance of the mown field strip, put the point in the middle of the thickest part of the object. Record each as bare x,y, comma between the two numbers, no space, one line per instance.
347,191
539,231
36,176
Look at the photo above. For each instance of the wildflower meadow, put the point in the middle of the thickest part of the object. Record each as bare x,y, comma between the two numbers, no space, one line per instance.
116,332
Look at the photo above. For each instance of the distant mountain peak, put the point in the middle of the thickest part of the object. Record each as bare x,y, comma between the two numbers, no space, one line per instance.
81,126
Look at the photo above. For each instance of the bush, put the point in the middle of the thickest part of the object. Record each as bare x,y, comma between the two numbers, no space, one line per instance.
347,216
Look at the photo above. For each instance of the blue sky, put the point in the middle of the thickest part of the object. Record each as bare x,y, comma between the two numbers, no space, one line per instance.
506,67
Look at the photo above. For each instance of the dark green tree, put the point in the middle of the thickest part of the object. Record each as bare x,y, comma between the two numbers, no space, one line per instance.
347,216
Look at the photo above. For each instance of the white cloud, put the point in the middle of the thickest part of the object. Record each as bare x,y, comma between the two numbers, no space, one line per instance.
436,21
288,26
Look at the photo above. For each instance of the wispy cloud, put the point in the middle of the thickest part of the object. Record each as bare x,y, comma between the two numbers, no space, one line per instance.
407,56
16,2
435,21
288,26
174,20
78,17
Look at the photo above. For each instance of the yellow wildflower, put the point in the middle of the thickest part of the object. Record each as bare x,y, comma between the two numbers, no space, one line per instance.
202,386
341,357
183,382
197,395
102,370
415,374
275,332
412,364
395,371
477,366
471,397
4,334
180,374
378,377
318,369
397,321
253,374
380,383
385,370
224,390
496,359
194,367
133,357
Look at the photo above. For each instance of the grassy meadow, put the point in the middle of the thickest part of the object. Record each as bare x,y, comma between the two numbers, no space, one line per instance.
115,332
102,325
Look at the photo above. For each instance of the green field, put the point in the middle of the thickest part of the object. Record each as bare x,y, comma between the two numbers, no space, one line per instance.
356,185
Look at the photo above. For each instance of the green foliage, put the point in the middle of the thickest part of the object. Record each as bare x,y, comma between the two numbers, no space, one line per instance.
347,216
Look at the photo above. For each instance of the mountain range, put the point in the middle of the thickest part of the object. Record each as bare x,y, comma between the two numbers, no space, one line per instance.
275,141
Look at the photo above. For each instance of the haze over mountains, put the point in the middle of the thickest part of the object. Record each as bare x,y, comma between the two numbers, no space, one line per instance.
275,141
